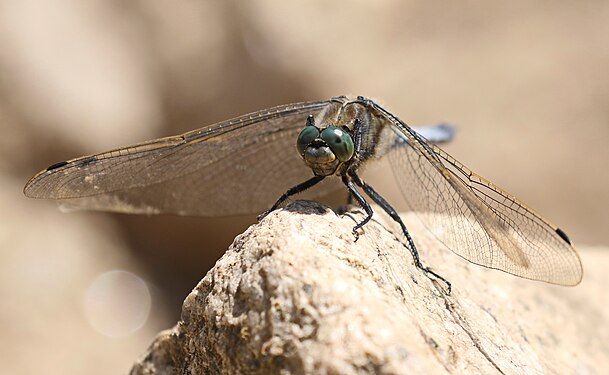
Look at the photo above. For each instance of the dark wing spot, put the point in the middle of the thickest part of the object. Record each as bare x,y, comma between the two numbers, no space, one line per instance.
563,235
57,165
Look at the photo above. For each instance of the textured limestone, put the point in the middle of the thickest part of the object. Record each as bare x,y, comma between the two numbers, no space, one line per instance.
296,294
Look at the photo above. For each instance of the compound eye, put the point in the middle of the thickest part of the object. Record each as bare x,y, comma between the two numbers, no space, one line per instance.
339,141
306,136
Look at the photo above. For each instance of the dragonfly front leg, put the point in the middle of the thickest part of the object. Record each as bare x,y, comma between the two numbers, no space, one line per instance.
376,197
362,202
292,191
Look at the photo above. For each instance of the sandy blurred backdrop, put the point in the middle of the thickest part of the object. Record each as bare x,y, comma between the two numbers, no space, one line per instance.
526,83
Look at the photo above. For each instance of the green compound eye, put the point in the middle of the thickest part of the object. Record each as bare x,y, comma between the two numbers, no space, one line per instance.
340,142
306,136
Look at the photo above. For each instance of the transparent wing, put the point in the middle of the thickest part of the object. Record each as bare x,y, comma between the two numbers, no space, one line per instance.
234,167
473,217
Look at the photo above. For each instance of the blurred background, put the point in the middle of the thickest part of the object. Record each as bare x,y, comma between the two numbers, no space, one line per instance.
526,83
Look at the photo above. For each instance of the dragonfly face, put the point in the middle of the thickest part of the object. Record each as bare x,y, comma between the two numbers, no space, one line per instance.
324,150
328,143
233,168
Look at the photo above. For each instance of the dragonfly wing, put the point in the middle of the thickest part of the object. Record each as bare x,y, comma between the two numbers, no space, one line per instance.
473,217
234,167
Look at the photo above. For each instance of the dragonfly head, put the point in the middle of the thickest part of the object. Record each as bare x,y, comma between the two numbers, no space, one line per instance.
324,150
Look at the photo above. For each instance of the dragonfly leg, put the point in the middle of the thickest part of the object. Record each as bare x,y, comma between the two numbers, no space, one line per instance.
292,191
376,197
362,202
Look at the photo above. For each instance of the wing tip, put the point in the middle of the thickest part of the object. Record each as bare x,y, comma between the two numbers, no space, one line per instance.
28,191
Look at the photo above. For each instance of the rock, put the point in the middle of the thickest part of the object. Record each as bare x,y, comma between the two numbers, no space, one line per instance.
295,294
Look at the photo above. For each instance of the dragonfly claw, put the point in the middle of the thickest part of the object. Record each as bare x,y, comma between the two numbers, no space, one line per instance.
262,215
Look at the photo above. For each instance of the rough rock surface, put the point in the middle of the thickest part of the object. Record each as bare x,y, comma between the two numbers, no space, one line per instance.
296,294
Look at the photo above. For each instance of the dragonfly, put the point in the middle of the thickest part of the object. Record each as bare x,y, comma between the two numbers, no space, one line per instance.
245,164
